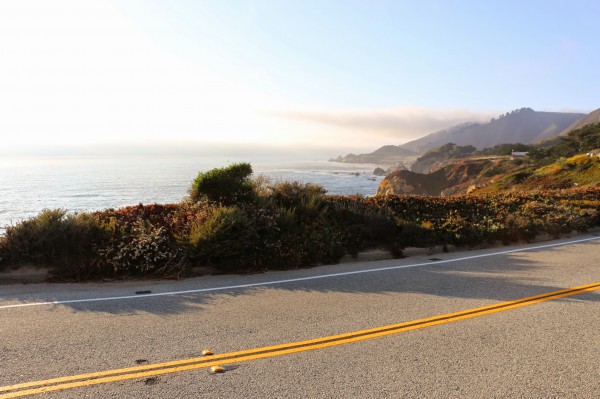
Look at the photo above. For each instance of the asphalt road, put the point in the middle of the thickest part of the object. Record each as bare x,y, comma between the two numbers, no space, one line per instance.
542,350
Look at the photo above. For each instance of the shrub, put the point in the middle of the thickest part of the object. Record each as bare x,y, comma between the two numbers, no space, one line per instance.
579,161
492,172
261,185
308,245
234,239
53,238
228,185
520,176
286,193
222,236
421,236
363,226
140,248
306,235
518,227
267,237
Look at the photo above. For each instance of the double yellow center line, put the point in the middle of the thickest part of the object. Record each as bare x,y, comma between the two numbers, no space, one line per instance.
151,370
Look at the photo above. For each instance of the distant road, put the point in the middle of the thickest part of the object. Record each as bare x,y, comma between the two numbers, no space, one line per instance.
519,321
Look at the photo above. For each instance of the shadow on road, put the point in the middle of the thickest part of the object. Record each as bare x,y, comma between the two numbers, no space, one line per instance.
494,278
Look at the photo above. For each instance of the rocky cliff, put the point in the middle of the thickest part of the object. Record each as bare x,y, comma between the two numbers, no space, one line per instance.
448,180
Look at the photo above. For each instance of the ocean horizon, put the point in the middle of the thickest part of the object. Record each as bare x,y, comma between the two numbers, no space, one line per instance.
81,184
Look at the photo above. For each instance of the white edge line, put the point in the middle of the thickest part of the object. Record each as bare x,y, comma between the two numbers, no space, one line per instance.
293,280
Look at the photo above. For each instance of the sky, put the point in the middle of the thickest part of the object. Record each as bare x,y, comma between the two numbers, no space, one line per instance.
310,75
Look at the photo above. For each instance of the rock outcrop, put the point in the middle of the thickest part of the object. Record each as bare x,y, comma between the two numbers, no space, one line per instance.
437,183
379,172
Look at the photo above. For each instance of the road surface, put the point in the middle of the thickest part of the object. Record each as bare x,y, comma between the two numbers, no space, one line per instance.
438,326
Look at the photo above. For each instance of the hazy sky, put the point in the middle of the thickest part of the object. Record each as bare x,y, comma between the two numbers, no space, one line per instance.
351,74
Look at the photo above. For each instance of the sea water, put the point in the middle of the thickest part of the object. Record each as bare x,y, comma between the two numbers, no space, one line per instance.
29,185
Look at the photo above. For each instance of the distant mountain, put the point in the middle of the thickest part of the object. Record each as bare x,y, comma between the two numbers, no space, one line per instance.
520,126
388,154
592,117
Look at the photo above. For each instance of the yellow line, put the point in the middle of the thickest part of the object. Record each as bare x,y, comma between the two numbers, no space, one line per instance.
62,383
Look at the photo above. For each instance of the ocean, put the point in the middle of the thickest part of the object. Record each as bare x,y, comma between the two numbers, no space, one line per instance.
29,185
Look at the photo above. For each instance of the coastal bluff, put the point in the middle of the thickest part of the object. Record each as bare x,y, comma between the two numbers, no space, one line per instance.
448,180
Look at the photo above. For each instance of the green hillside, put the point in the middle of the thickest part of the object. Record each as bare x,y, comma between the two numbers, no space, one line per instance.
568,162
572,162
577,171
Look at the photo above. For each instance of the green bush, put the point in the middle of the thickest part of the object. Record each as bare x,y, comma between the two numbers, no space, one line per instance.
286,193
413,235
233,239
363,226
266,237
305,245
520,176
54,238
228,185
307,236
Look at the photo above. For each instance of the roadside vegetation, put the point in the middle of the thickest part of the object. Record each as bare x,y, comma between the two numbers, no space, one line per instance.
236,224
